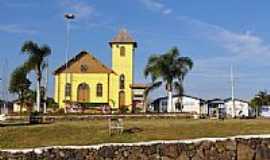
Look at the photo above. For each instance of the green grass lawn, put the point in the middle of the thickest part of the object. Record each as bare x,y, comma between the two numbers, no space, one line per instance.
94,132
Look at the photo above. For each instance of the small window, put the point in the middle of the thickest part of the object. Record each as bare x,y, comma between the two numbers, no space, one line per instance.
99,90
122,81
68,90
122,51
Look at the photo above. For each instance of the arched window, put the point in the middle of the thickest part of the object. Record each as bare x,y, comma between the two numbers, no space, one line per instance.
122,51
122,81
68,90
99,90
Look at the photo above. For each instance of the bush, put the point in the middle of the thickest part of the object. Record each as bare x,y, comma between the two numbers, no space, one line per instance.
36,118
92,111
138,110
59,111
36,113
123,109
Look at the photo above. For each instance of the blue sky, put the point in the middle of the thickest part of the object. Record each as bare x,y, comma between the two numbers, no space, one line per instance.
215,34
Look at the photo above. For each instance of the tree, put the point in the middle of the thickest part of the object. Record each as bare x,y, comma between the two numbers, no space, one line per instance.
19,84
261,98
52,104
183,65
169,68
146,92
36,62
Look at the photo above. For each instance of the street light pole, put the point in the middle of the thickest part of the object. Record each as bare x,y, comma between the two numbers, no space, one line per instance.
68,18
46,86
4,86
232,90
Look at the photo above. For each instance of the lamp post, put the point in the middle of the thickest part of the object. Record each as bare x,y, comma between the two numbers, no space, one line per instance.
232,93
3,101
46,86
68,18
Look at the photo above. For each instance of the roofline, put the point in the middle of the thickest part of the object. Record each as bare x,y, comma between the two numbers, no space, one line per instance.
184,95
81,53
135,43
228,99
138,87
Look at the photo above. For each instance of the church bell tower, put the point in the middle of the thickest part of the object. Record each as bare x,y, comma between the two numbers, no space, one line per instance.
123,47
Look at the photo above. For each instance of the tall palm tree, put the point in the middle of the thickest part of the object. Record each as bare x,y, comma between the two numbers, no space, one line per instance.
169,68
146,92
261,98
35,62
183,65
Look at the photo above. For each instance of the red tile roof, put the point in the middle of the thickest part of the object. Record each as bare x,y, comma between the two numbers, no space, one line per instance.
95,66
123,37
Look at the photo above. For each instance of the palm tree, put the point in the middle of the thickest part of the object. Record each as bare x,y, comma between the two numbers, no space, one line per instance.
263,96
183,66
36,56
169,68
146,92
260,99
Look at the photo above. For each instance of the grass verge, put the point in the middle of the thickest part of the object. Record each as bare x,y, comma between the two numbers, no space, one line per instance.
95,132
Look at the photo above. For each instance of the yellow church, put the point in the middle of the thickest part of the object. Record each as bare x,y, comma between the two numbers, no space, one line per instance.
86,80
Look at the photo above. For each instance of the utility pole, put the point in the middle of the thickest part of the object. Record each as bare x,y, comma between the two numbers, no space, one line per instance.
46,86
68,18
232,92
4,85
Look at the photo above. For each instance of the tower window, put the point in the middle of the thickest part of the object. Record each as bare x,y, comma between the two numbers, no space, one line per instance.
122,51
68,90
122,81
99,90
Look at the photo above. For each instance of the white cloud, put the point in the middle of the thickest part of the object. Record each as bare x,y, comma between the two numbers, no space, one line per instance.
237,43
156,5
247,52
167,11
14,28
81,9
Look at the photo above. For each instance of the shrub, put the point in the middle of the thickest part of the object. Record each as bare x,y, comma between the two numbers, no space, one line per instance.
123,109
138,110
35,113
36,118
59,111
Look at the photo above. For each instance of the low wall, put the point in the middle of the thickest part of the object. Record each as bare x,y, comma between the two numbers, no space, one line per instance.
106,116
256,147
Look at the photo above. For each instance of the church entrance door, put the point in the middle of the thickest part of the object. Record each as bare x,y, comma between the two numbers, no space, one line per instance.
83,93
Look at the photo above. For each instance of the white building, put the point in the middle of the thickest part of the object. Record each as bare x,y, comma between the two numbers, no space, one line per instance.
242,108
199,106
265,111
190,104
216,108
17,106
5,107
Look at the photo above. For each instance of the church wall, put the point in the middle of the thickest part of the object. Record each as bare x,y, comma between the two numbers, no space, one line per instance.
92,79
